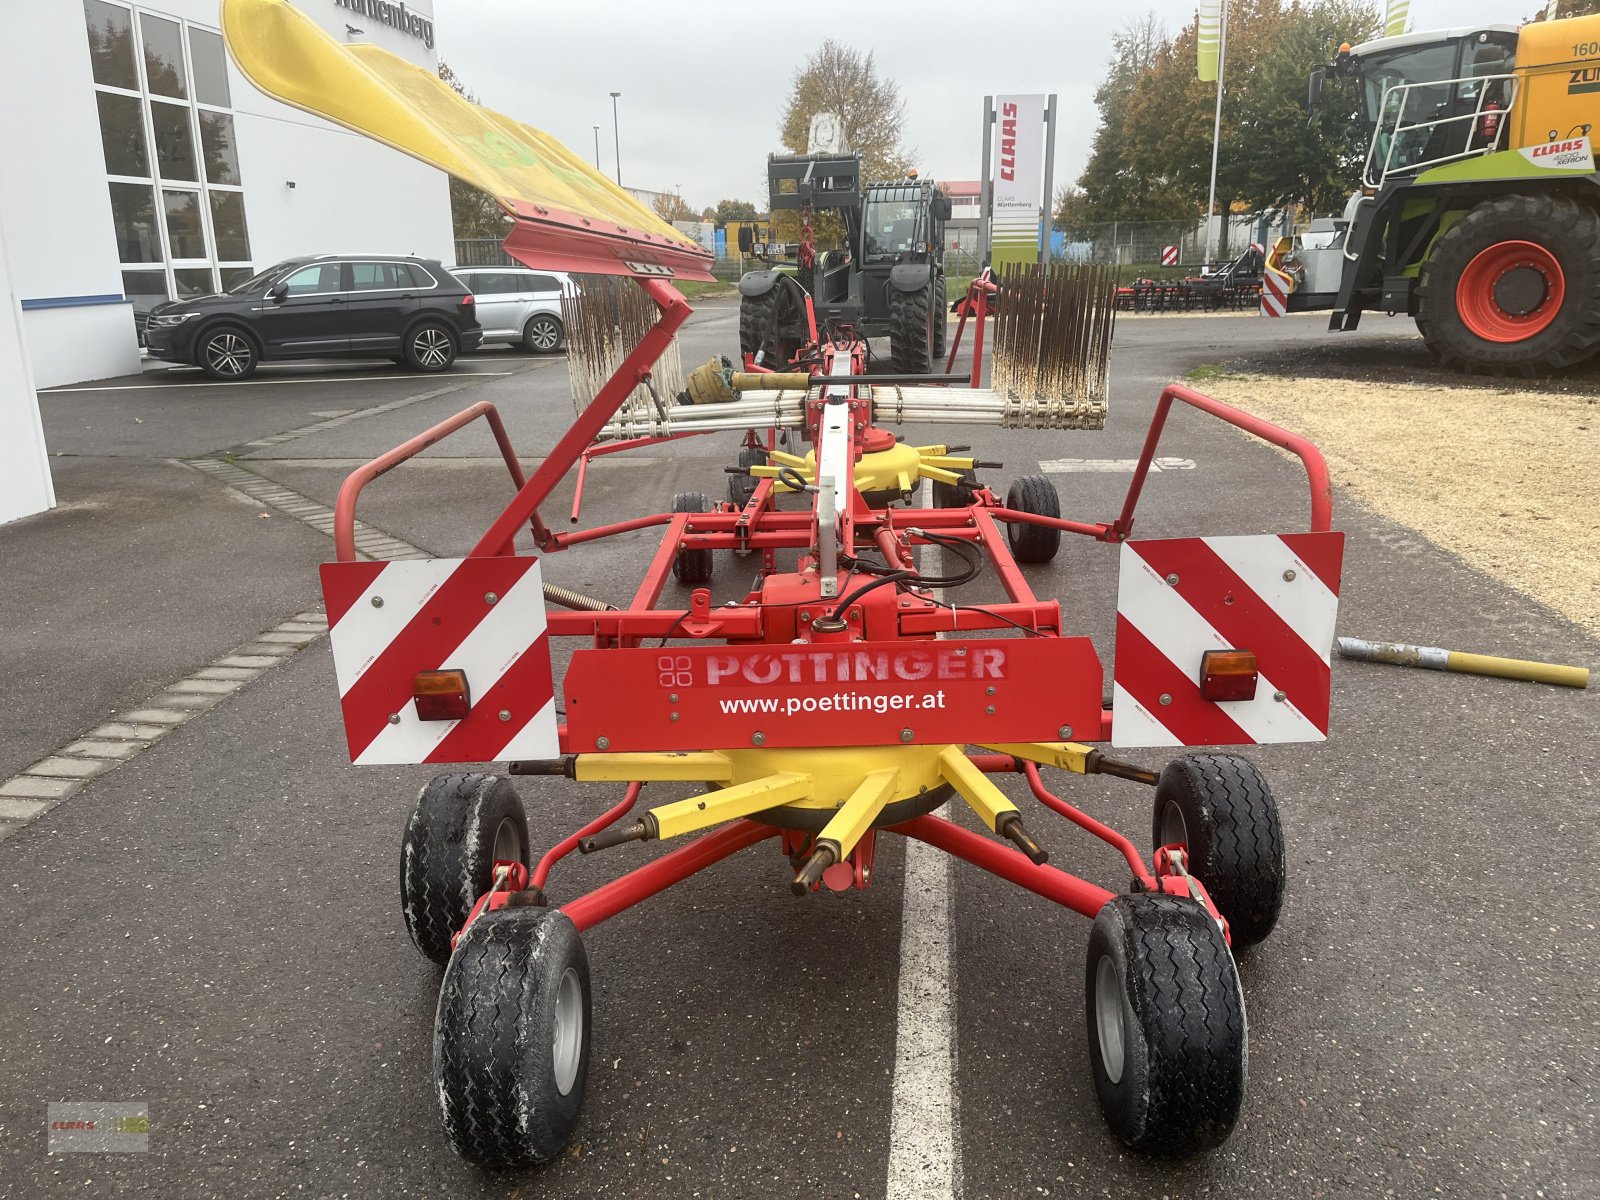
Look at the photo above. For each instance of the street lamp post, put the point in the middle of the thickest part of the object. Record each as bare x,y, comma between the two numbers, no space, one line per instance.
616,135
597,147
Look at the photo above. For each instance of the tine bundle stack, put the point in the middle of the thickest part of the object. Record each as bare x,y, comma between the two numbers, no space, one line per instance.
605,318
1052,344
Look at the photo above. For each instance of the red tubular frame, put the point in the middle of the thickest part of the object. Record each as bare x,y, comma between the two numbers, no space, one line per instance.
568,844
1008,863
639,885
1104,832
1316,466
344,508
581,435
759,527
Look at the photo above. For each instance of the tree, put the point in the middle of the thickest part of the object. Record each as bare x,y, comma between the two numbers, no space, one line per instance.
1315,162
841,80
735,210
1109,189
669,206
473,212
1565,9
1151,158
844,81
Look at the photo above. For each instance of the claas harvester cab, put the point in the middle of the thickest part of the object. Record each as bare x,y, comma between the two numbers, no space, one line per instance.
887,280
1477,212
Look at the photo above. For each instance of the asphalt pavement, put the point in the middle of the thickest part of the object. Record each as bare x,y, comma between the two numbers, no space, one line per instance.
212,926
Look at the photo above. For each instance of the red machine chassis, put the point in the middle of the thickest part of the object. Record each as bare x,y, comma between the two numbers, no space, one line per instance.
758,526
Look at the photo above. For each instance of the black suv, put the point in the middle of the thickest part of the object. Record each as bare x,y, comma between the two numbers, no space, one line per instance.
331,306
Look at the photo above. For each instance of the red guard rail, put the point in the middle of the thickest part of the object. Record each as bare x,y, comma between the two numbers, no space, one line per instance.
344,509
1316,466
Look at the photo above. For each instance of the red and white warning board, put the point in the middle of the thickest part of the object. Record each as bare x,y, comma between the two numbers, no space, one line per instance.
1276,595
1274,293
481,616
1169,256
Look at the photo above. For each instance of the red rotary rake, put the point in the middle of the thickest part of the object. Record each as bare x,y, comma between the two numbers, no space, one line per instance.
850,693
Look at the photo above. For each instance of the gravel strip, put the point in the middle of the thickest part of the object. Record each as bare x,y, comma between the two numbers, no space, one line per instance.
1505,477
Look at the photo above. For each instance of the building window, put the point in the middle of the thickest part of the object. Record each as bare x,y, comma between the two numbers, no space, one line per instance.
216,143
210,66
133,215
122,135
172,162
227,222
163,57
174,140
111,44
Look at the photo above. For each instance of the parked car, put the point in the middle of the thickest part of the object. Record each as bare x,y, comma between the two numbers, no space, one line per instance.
329,306
519,306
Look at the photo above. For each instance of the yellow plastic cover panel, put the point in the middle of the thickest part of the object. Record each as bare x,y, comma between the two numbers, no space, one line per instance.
568,216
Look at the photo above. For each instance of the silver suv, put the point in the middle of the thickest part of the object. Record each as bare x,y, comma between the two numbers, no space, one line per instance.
519,306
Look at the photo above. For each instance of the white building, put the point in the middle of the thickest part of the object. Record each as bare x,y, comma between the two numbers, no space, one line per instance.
144,166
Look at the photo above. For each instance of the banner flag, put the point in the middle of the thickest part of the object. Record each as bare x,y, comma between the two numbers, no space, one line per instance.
1211,38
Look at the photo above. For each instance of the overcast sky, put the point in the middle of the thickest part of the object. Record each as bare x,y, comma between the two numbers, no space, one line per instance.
703,85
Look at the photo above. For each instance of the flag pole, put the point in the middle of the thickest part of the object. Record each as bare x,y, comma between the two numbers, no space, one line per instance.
1216,133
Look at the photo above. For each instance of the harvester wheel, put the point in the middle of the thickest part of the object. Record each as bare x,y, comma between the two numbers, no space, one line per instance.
911,330
1513,287
459,826
1167,1037
1220,806
955,495
692,566
511,1038
1033,543
941,318
742,487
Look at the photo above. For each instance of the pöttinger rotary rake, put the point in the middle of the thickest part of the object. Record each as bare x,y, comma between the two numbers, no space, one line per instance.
851,692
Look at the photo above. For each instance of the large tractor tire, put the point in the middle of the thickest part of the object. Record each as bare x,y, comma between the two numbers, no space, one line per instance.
911,330
761,321
941,319
1513,287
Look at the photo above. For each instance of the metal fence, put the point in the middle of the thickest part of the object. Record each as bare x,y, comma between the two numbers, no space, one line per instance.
481,252
1140,243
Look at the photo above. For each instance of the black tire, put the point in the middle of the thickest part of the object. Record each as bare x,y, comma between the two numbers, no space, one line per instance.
955,495
1568,231
692,567
504,1042
1166,1022
227,352
1033,543
458,826
742,487
543,334
429,346
760,320
911,330
1220,806
941,320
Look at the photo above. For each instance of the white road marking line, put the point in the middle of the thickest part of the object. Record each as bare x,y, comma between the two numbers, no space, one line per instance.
1111,466
923,1149
234,383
